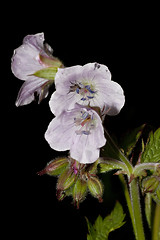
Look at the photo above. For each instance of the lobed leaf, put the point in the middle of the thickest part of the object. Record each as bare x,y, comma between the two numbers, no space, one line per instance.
152,149
102,227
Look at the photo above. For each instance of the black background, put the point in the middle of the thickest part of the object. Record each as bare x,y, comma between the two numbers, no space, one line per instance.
123,37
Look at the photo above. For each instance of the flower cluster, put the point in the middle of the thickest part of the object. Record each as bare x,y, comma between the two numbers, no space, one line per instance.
83,96
74,179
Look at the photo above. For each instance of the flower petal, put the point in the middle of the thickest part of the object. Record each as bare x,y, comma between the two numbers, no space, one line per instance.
65,77
29,87
82,152
113,97
25,60
59,135
92,70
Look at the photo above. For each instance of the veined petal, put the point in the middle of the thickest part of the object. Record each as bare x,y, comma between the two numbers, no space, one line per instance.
25,62
82,152
79,130
58,103
29,87
58,135
92,70
113,97
26,58
65,77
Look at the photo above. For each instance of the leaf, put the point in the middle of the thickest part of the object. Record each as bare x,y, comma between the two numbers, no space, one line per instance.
102,227
152,149
115,219
108,164
130,140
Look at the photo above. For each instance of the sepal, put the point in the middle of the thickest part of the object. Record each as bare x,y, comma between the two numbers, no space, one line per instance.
79,191
95,187
46,73
55,167
66,180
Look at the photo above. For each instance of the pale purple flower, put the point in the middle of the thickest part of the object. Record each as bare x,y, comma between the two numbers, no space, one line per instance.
79,130
88,85
33,55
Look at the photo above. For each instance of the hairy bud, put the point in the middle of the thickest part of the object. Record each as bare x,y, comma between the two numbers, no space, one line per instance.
66,179
79,191
150,184
95,187
55,167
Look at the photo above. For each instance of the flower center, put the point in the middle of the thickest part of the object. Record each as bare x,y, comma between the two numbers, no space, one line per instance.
85,89
84,123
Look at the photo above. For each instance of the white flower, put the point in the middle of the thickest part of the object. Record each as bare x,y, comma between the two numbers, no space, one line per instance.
79,130
88,85
28,61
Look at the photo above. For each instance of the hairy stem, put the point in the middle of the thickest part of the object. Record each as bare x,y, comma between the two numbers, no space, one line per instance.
128,199
136,209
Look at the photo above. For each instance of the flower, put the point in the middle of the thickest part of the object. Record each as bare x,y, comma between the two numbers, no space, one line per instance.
33,62
90,85
79,130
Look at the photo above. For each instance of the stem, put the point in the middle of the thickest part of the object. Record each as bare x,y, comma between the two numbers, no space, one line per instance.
128,199
119,153
156,223
136,209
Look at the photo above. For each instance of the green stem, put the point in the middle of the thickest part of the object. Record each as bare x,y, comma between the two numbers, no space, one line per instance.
118,152
156,223
136,209
128,199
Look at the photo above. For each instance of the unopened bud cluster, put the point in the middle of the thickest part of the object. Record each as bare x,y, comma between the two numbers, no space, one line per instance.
74,179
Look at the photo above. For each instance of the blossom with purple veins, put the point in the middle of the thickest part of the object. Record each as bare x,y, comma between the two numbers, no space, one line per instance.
79,130
88,85
33,62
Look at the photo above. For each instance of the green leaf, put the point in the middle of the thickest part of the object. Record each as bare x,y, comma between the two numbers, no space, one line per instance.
130,140
152,150
109,164
102,227
115,219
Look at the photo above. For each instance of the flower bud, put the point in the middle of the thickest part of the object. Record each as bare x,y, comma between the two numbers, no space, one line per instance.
79,191
55,167
66,179
95,187
150,184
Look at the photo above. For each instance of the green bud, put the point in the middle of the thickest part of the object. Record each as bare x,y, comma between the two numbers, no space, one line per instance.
79,191
55,167
46,73
150,184
95,187
66,180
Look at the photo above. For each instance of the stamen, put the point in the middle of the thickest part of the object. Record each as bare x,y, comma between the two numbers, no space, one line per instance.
86,122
